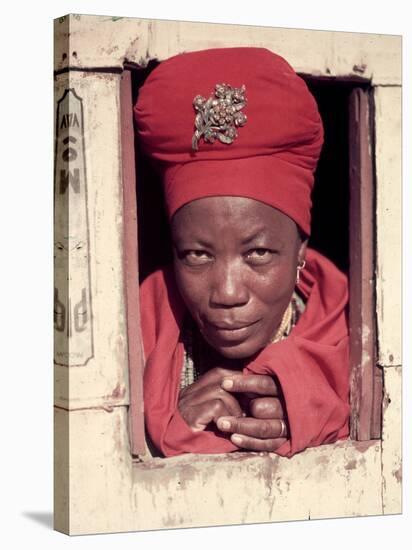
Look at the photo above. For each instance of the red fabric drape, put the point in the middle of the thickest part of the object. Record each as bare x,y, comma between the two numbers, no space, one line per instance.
312,365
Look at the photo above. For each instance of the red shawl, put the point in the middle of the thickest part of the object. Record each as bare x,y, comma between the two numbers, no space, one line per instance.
312,365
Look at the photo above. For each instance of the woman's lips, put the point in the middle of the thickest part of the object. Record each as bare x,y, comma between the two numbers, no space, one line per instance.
231,331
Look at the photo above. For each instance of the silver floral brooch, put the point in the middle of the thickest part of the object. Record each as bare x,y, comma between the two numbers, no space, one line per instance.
218,116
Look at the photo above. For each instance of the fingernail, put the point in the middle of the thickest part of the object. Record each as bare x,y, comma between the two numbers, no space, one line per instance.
224,424
236,439
227,384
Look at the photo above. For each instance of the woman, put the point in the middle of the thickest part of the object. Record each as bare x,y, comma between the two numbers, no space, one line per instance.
245,337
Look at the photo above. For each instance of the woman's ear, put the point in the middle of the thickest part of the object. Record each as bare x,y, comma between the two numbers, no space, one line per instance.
302,251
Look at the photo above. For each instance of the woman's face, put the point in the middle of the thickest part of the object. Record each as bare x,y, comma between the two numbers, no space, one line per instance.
235,262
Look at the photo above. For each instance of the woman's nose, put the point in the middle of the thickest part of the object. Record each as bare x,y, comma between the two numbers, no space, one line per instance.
228,288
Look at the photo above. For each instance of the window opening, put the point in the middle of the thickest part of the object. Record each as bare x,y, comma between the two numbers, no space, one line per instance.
342,222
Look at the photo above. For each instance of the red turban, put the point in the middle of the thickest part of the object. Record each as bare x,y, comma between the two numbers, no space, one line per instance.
273,128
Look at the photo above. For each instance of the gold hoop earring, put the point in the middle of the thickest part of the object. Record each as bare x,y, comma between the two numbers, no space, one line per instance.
301,265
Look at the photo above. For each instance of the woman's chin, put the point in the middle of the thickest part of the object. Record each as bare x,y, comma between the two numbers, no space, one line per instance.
235,343
243,350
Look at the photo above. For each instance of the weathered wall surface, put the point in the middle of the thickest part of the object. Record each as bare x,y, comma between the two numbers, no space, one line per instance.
103,379
108,492
388,122
375,57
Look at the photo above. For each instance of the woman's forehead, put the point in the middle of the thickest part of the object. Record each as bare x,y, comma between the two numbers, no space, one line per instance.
246,216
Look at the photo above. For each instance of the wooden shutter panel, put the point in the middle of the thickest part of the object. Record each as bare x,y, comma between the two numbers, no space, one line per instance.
130,262
366,377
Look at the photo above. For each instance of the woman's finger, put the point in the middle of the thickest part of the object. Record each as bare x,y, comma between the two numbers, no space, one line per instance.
253,444
208,393
212,376
253,427
259,384
199,416
266,407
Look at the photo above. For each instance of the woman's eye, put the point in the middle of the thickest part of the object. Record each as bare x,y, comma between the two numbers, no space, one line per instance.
195,257
259,255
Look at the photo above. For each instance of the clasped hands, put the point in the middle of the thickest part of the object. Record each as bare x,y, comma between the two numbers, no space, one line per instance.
246,407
